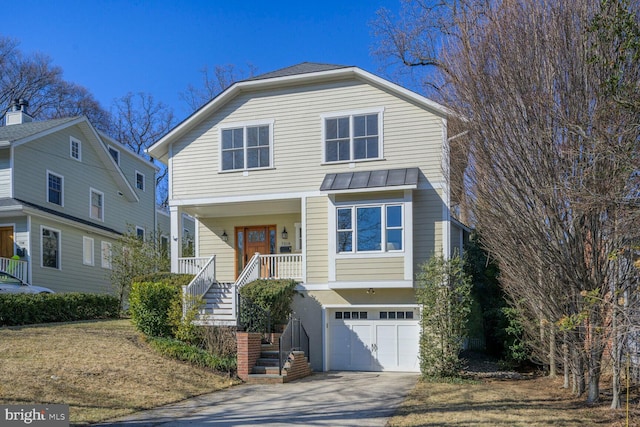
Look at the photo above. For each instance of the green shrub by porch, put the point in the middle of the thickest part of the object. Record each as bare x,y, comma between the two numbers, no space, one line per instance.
153,300
273,295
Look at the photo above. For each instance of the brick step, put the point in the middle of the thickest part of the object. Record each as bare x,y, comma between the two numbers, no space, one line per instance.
270,354
265,370
265,379
267,362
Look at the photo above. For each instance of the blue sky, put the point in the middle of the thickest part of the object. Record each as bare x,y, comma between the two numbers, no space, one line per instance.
158,47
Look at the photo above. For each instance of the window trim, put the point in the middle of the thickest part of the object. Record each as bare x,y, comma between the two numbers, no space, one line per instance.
58,251
144,179
61,204
88,243
91,191
244,126
351,114
111,148
383,205
73,141
105,258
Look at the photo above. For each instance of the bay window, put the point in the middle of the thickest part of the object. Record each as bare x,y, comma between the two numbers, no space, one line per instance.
369,228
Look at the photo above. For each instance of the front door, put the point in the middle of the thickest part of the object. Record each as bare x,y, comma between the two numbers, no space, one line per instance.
6,242
261,238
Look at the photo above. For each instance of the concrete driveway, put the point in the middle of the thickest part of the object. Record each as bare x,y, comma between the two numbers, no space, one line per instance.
323,399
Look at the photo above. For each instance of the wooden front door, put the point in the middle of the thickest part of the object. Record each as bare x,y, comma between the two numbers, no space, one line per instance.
249,240
6,242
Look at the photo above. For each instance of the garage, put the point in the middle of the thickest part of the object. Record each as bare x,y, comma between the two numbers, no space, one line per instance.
374,339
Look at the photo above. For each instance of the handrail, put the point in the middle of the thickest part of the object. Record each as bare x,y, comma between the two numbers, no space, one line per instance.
293,338
191,265
199,285
15,267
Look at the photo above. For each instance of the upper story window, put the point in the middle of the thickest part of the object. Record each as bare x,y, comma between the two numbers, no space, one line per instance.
96,205
246,146
352,136
370,228
75,149
139,181
55,187
115,154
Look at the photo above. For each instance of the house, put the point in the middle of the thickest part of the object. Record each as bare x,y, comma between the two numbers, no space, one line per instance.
188,226
326,174
67,192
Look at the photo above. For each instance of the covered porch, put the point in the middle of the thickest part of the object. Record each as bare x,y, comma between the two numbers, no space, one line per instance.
16,267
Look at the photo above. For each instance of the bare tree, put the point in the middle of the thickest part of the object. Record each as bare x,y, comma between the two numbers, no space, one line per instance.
214,81
35,79
139,121
552,166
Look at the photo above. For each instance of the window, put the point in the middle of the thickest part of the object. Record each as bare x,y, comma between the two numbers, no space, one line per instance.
139,181
50,247
97,205
375,228
87,251
75,149
246,147
140,233
352,137
385,315
105,249
351,315
55,185
115,154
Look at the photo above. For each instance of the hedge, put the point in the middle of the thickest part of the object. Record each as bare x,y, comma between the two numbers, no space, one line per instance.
153,301
26,309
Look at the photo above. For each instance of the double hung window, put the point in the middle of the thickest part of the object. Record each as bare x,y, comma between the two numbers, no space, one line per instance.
370,228
55,185
353,137
246,147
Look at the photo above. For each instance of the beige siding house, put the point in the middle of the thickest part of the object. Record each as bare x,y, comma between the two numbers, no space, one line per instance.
326,174
65,200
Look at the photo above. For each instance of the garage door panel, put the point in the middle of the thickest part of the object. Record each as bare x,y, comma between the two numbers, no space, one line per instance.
373,344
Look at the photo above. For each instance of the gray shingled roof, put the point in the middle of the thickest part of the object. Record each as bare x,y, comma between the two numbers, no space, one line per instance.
370,179
16,132
302,68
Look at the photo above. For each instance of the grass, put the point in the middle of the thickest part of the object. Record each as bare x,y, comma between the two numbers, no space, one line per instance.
502,403
100,369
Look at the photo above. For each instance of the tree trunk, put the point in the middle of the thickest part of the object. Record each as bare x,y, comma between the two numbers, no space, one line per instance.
552,351
579,384
565,361
593,394
615,345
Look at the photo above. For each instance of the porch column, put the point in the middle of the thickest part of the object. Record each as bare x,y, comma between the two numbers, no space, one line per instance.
176,237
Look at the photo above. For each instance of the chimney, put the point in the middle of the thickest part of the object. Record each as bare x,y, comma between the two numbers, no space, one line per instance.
17,113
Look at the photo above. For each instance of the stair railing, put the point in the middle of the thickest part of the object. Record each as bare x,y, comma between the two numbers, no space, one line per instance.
198,287
293,338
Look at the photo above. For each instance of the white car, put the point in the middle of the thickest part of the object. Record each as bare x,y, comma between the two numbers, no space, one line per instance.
10,284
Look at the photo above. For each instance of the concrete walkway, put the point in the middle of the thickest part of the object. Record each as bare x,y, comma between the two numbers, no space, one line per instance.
324,399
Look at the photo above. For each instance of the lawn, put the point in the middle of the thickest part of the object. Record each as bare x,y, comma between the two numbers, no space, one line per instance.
100,369
501,403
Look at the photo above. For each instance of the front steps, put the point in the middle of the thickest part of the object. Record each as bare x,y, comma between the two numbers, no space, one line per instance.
259,363
218,308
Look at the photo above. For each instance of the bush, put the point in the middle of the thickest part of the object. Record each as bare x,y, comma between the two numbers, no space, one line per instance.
219,340
26,309
188,353
151,300
273,295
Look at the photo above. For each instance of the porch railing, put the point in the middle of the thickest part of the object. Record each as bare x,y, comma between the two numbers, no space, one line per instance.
15,267
200,284
191,265
281,266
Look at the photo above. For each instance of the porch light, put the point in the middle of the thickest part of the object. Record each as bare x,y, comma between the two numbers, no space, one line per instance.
224,237
285,235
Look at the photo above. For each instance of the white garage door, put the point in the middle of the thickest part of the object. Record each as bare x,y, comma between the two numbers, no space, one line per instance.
383,339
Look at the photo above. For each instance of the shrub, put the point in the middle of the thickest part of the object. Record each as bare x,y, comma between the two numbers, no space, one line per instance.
219,340
273,295
151,300
188,353
26,309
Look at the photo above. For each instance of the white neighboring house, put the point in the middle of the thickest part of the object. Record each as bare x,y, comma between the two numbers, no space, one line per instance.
326,174
67,192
